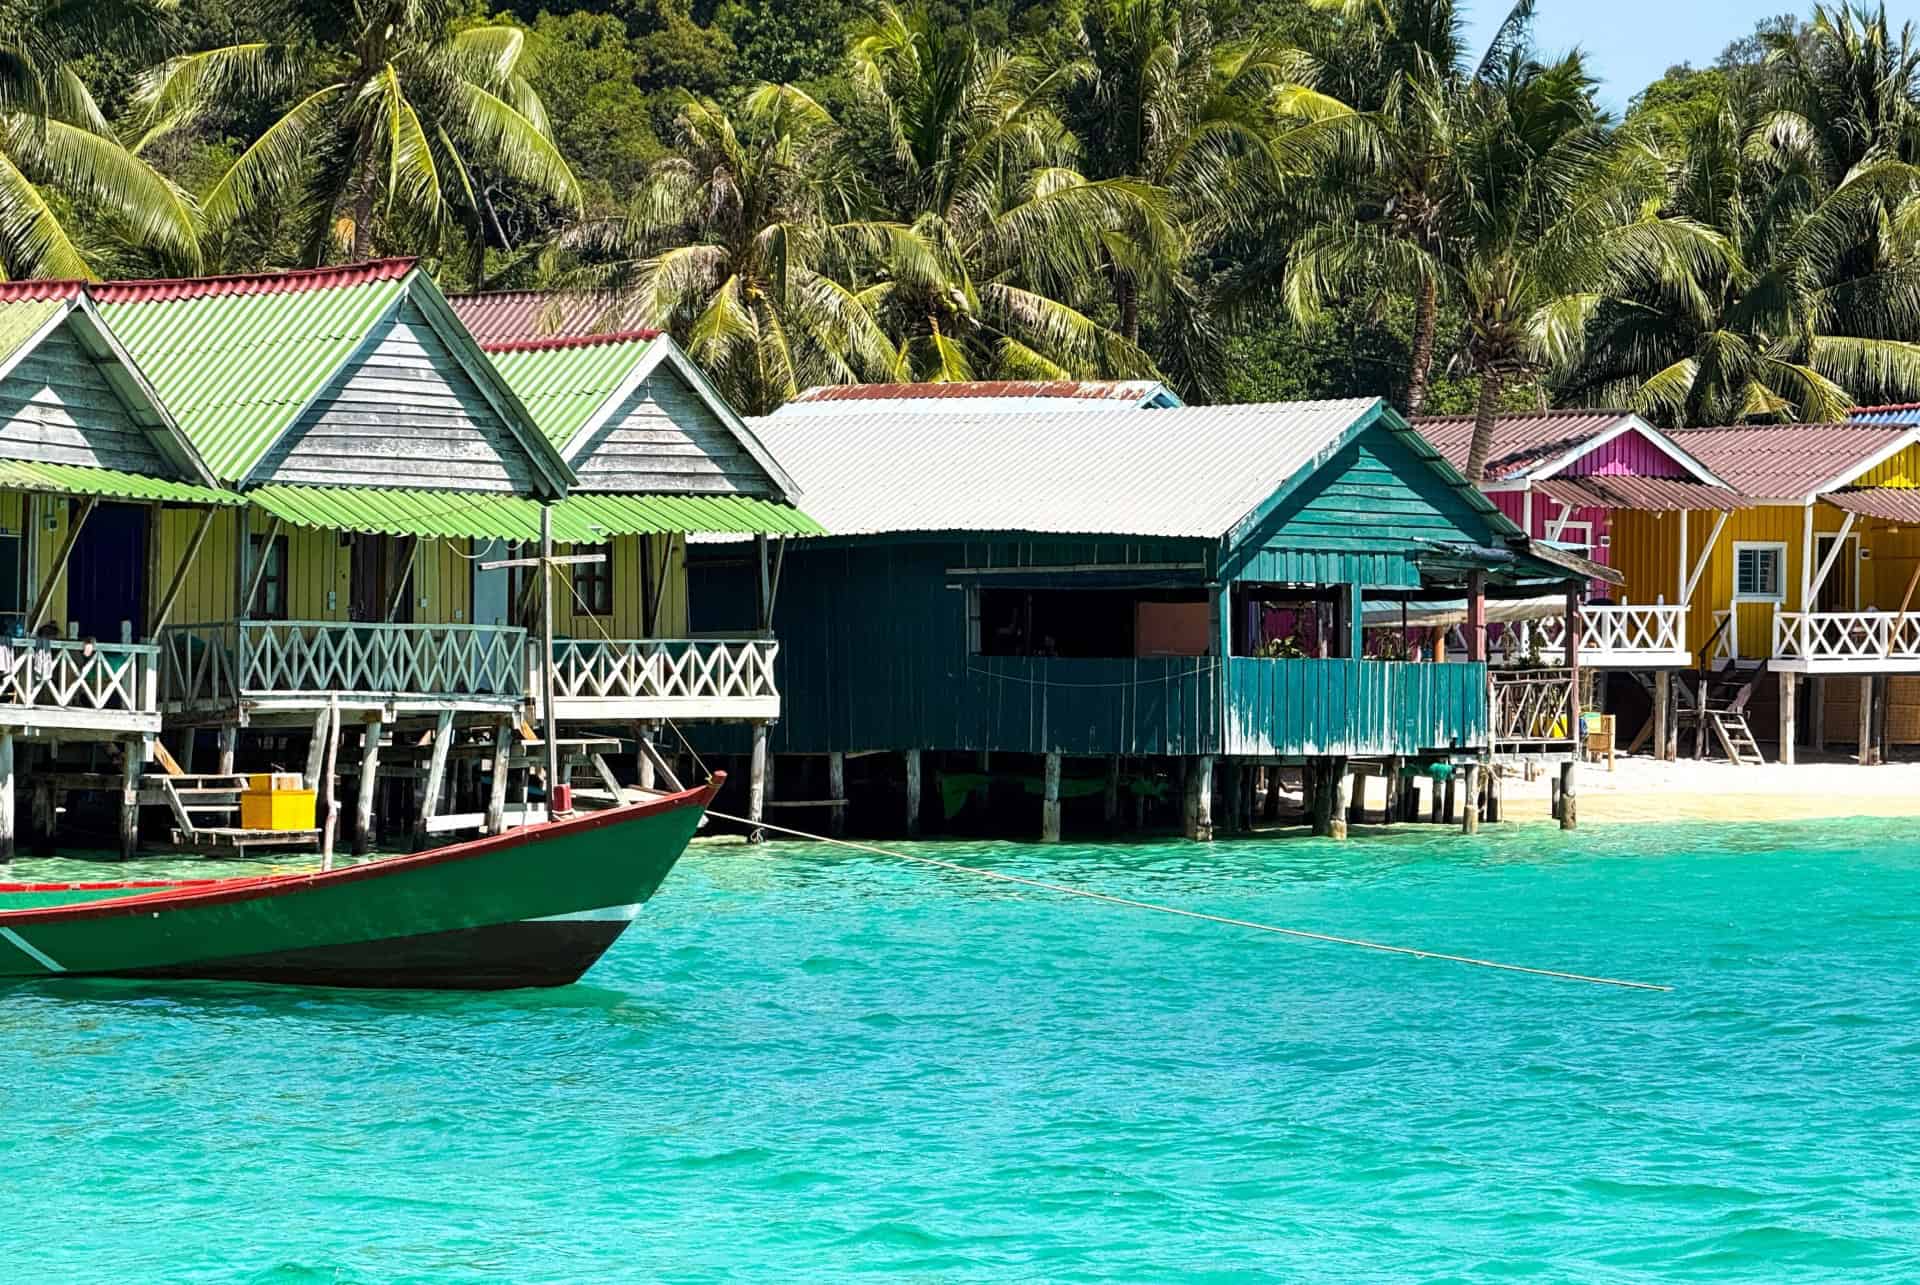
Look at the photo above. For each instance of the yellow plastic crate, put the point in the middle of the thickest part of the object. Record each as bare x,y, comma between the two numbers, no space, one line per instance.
275,807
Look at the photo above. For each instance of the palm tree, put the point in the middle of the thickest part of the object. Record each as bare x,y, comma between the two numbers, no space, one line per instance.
738,245
396,122
996,245
57,149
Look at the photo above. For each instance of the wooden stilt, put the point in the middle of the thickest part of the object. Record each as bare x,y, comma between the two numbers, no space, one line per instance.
1788,701
1865,740
1110,800
1343,782
1050,801
1470,814
316,749
133,757
1355,810
1569,782
369,781
1553,796
1662,711
1273,792
1817,712
229,744
437,774
643,761
837,789
1434,793
1879,728
913,792
1200,799
1230,780
497,785
1453,789
757,771
45,818
7,813
1496,796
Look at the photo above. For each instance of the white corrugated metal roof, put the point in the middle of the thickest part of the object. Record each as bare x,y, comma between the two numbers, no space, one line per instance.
1189,471
998,396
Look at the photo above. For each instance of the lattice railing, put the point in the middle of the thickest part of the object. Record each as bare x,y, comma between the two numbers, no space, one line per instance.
58,674
1846,636
1532,710
1609,632
264,658
665,669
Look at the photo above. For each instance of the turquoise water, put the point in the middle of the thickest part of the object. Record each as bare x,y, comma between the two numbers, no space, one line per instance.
802,1063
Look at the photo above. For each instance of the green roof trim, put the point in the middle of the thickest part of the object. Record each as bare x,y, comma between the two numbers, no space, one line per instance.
433,514
563,387
683,514
106,483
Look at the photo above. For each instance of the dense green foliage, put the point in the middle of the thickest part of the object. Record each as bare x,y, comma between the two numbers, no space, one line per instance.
1250,198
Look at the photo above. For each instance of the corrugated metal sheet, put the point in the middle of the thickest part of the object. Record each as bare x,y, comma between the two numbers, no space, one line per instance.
438,514
1648,494
1520,442
1786,461
1182,472
984,396
1894,503
690,514
21,320
76,479
502,315
235,358
1896,413
563,382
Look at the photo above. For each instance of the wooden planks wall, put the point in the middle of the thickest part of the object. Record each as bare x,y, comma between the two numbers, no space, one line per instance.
631,554
666,439
57,408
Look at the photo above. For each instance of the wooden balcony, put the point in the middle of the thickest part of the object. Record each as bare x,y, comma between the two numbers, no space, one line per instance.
298,665
77,690
655,678
1846,642
1531,713
1623,636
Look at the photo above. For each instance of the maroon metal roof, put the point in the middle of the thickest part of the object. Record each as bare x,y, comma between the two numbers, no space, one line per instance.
1786,461
1118,390
1643,494
1520,441
39,291
1893,503
503,316
249,283
572,341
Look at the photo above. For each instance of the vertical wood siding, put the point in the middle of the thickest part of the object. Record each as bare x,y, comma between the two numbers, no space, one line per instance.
56,407
631,556
664,438
1631,454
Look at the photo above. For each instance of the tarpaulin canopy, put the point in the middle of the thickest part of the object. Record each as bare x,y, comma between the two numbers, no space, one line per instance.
81,479
433,514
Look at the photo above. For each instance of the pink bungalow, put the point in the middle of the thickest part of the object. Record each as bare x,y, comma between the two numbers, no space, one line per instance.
1611,486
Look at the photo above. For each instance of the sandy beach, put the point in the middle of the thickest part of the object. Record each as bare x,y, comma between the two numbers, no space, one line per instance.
1642,789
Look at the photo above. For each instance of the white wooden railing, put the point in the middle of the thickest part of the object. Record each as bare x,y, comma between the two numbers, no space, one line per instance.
55,674
255,659
1726,625
1609,635
666,677
1532,711
1849,639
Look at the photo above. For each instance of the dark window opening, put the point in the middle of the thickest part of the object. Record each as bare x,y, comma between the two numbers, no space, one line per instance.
270,601
593,581
1291,622
1092,624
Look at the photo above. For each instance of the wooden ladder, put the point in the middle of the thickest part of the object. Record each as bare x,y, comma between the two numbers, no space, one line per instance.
1736,738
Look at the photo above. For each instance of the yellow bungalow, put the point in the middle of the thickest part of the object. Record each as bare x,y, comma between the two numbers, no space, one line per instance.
1815,578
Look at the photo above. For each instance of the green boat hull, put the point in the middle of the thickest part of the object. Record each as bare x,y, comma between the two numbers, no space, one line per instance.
532,907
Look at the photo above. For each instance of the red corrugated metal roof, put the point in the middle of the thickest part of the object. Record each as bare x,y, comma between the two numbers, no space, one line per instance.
47,291
250,283
1118,390
1787,461
1866,410
503,316
572,341
1893,503
1642,494
1520,441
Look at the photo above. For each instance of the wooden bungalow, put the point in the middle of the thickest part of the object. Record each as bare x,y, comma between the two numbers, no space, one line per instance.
660,458
1182,589
90,463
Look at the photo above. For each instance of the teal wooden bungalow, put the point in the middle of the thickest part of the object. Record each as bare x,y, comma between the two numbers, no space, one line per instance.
1182,589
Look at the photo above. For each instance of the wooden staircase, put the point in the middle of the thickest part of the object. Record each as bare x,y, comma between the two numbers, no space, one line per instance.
1717,708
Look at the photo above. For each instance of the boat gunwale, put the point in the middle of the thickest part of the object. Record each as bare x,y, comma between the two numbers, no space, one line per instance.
213,891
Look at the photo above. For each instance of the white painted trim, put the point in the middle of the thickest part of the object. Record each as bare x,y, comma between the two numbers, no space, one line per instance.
1559,522
1628,424
1867,465
1827,564
1706,556
1779,547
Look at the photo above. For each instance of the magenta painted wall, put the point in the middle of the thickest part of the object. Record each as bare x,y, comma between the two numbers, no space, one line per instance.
1629,455
1512,503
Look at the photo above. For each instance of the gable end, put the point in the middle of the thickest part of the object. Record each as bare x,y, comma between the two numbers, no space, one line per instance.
663,437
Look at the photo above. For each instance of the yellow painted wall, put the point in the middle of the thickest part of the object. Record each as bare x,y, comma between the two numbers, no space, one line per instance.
1901,471
632,553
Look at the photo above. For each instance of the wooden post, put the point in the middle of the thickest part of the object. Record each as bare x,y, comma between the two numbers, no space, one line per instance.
133,756
1453,794
1110,800
1356,794
1662,711
1569,779
1573,668
1553,796
1878,730
1435,811
913,793
317,748
1230,790
329,791
497,786
1788,702
369,778
1496,796
76,519
550,720
1477,616
1050,801
1273,792
163,608
757,779
437,773
229,744
643,761
1199,801
8,838
1817,712
1470,814
1343,782
837,789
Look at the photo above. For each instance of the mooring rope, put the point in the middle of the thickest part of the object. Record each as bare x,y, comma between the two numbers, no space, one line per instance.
1069,890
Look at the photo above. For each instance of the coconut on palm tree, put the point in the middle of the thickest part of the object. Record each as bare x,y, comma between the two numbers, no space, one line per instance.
388,124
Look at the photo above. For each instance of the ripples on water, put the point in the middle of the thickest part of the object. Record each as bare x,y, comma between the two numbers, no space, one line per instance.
802,1063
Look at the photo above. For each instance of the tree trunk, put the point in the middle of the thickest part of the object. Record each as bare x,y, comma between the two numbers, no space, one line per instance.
1425,318
1483,416
1127,295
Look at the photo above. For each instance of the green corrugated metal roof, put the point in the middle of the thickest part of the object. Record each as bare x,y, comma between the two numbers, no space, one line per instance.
563,385
236,368
692,514
21,319
395,511
79,479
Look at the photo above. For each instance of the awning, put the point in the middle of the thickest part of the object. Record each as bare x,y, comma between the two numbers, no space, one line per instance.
1645,494
1893,503
1526,565
689,514
433,514
1586,568
1446,614
106,483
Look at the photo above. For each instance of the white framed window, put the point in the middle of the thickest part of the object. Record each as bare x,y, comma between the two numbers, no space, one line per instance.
1759,572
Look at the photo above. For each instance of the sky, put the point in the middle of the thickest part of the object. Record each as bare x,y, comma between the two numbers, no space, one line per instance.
1632,42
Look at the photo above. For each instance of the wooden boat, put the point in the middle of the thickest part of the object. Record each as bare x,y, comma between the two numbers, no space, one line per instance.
531,907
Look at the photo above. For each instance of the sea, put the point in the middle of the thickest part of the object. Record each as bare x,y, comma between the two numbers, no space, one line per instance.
809,1064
